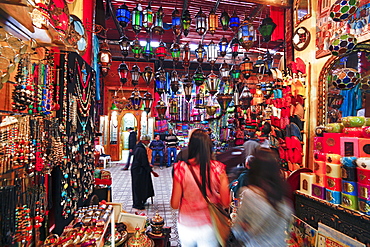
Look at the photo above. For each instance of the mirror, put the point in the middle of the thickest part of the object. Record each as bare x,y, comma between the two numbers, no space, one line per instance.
340,73
302,11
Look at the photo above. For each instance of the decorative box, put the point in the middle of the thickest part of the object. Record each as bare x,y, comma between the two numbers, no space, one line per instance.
333,158
364,206
318,144
349,187
319,156
349,161
363,175
349,201
333,170
332,142
363,162
349,173
349,146
353,132
333,183
306,181
319,167
320,179
363,147
364,191
332,196
318,191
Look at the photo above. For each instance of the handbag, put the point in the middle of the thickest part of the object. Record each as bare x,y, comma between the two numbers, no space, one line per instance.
220,218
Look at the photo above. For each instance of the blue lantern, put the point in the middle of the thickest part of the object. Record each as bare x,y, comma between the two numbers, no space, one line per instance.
123,15
176,22
223,46
234,22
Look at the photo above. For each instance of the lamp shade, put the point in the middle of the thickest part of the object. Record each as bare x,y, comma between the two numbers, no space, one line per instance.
136,49
186,21
199,76
225,19
188,87
135,99
124,45
201,22
342,10
247,33
161,108
160,80
200,53
345,78
212,83
234,22
186,56
246,67
147,75
267,28
175,85
135,75
224,71
175,52
212,52
158,23
212,22
123,15
176,22
123,72
137,19
148,101
148,50
161,51
223,46
148,18
344,44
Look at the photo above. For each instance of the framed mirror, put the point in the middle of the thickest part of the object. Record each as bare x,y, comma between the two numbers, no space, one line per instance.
301,38
302,11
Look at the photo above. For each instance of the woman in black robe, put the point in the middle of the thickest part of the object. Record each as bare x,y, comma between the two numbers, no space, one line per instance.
142,185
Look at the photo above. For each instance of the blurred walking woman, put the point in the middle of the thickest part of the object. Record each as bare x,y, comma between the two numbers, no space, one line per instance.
194,222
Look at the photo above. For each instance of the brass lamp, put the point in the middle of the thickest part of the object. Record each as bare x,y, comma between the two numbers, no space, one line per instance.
158,23
174,82
147,75
137,19
234,22
267,28
161,108
135,75
247,33
212,83
105,58
186,56
136,48
135,99
201,22
161,51
200,53
225,19
124,45
148,101
188,87
186,21
224,101
199,100
212,22
174,108
246,67
175,52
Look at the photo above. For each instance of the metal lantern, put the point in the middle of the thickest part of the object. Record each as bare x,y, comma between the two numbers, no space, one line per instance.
124,45
160,80
188,87
246,67
269,60
137,19
235,72
345,78
186,21
136,49
225,19
158,23
199,76
135,99
175,85
148,101
199,100
123,15
148,50
174,108
267,28
343,10
247,33
186,56
245,98
175,52
200,53
212,22
105,58
211,107
161,51
147,75
176,22
135,75
224,101
234,45
343,45
161,109
224,71
212,83
148,18
201,22
259,66
223,46
212,53
123,72
234,22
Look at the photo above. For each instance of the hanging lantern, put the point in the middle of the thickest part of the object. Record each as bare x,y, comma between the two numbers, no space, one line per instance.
235,72
188,87
343,10
225,19
105,58
199,100
246,67
200,53
161,51
114,107
212,83
245,98
148,50
175,52
186,21
345,78
158,23
224,71
124,45
234,22
201,22
236,97
123,15
148,101
176,22
161,109
234,47
160,80
135,99
267,28
147,75
269,60
247,33
223,46
212,22
135,75
174,108
211,107
148,18
259,66
174,82
123,72
137,19
343,45
186,56
136,49
199,76
224,101
212,53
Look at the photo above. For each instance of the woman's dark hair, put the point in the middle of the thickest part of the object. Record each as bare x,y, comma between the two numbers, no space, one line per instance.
264,173
200,148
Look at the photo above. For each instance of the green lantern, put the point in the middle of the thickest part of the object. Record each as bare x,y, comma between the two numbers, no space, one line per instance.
267,28
225,19
136,49
186,21
148,50
148,18
158,24
199,76
175,52
137,19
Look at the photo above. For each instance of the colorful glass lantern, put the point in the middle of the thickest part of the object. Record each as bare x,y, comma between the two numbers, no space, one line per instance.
176,22
174,108
269,60
212,53
267,28
199,77
234,22
135,99
148,50
148,18
124,45
224,101
259,66
135,75
247,33
114,107
201,22
212,83
212,22
136,49
343,45
105,58
223,46
234,45
175,85
245,98
161,51
158,23
123,15
137,19
200,53
175,52
365,83
345,78
211,107
186,56
123,72
188,87
148,101
342,10
246,67
160,80
199,100
147,75
161,108
186,21
224,71
225,20
236,97
235,72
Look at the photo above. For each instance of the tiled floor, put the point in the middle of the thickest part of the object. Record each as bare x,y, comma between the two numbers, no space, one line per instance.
121,193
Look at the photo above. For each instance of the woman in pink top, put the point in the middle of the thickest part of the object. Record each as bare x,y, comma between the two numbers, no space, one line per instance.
194,222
